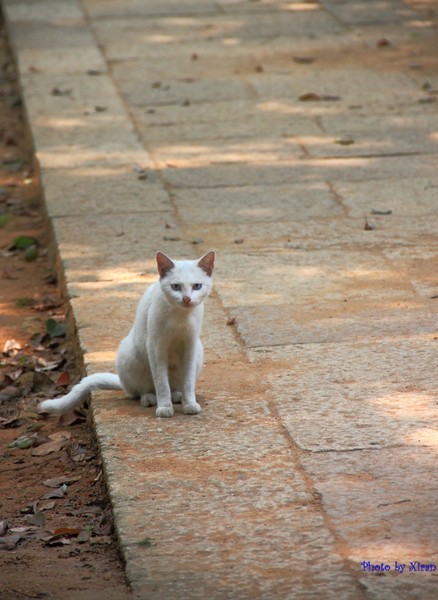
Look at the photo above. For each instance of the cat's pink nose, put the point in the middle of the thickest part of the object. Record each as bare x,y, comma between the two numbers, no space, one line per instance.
187,299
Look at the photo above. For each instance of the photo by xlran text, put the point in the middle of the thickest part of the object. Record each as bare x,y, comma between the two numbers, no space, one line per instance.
398,567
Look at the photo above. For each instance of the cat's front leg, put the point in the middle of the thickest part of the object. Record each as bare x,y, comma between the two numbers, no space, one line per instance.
164,404
162,388
191,367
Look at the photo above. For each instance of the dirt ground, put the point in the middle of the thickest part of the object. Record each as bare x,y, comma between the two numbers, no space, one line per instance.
56,530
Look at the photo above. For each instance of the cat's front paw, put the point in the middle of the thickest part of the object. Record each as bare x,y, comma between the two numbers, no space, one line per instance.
148,400
191,409
164,412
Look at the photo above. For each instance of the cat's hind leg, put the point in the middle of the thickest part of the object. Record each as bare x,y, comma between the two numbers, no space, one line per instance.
176,397
149,399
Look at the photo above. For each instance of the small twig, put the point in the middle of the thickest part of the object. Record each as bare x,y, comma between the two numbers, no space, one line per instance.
33,464
36,595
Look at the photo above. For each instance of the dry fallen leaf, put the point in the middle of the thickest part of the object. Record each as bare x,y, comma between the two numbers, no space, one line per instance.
55,482
23,442
369,226
383,43
45,449
303,60
63,380
71,418
47,303
12,423
312,97
56,91
48,365
15,374
58,541
11,347
344,141
59,493
79,455
7,394
84,536
3,527
10,541
60,435
381,212
67,531
38,518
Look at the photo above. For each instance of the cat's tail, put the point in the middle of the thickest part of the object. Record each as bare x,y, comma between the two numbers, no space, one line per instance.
98,381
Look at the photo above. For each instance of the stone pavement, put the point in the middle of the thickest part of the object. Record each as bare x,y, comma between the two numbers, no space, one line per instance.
272,131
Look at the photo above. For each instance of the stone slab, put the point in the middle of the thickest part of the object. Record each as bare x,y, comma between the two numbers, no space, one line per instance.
223,152
219,339
237,451
59,96
301,278
57,46
102,190
354,86
256,204
391,490
395,587
296,169
43,10
83,242
357,136
419,266
139,90
297,235
382,480
406,198
352,396
228,120
102,325
98,9
374,12
78,120
351,321
267,564
125,39
152,58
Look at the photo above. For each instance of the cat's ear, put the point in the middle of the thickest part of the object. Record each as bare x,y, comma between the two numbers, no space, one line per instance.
206,263
164,264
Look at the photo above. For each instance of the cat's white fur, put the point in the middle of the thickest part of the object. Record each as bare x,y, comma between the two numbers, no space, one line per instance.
160,359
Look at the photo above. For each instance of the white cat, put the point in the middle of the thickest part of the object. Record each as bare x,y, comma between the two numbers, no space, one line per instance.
161,357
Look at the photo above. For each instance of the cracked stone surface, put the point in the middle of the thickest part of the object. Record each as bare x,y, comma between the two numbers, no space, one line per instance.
299,140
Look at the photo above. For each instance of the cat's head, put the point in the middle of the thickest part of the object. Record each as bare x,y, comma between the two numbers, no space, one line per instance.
186,283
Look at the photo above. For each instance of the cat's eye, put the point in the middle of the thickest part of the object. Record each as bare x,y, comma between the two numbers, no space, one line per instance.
197,286
176,287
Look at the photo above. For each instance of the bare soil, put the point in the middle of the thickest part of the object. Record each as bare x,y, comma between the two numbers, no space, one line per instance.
56,529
